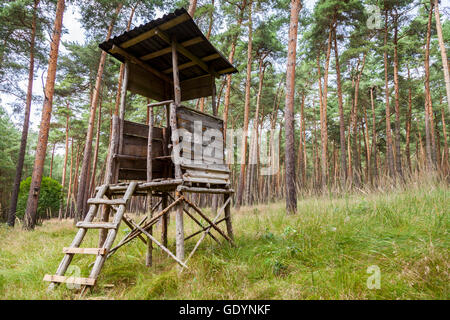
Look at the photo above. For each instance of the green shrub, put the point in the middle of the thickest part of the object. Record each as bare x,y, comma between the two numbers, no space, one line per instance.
49,198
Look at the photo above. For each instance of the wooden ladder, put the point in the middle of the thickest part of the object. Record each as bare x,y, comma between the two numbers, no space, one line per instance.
119,206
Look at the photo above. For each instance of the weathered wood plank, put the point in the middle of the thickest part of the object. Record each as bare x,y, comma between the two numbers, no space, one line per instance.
165,26
206,174
84,250
96,225
205,180
205,190
135,60
185,52
167,50
70,280
112,202
216,168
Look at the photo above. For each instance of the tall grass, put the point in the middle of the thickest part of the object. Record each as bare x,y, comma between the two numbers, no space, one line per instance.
323,252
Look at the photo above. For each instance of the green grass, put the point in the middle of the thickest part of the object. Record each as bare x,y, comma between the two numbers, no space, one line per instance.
323,252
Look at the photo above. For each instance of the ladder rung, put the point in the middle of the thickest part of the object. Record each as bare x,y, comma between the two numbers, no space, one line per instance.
107,202
96,225
72,280
96,251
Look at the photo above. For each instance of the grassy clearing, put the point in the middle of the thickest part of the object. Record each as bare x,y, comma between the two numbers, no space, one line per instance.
323,252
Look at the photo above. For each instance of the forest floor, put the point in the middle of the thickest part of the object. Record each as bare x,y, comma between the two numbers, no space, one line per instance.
329,250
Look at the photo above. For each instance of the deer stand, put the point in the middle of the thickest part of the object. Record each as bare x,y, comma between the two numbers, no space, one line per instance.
167,162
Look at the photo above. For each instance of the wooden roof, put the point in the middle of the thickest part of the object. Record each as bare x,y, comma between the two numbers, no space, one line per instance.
148,48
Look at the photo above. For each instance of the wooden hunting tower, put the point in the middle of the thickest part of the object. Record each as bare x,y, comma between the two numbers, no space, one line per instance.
168,60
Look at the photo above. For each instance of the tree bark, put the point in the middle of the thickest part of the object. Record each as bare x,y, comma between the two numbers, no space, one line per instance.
323,110
51,161
408,123
443,51
398,155
341,115
192,7
302,144
444,166
84,174
70,180
430,143
291,189
231,58
97,145
38,168
241,187
255,135
66,155
26,122
389,150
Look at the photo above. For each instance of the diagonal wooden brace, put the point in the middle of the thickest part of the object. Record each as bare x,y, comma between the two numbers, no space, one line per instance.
159,245
213,225
207,230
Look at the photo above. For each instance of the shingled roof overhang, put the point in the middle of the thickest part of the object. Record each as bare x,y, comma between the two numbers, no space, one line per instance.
149,47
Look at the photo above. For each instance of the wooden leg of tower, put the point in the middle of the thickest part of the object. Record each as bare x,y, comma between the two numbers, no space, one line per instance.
179,229
164,221
149,256
228,215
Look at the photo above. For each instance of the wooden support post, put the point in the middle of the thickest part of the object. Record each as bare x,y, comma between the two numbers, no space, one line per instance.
176,77
179,225
149,258
164,221
123,100
227,200
213,96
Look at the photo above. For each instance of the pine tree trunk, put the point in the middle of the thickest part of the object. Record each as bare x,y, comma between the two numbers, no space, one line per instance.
443,51
291,190
398,155
255,134
38,168
430,142
241,187
408,124
341,116
97,145
357,159
389,150
26,123
231,58
192,7
445,163
367,145
323,110
84,174
66,155
301,147
70,180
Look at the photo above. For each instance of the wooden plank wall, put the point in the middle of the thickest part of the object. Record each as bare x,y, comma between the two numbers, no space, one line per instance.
135,137
209,166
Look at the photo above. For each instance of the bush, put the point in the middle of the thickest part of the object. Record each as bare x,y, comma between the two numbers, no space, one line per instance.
49,198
